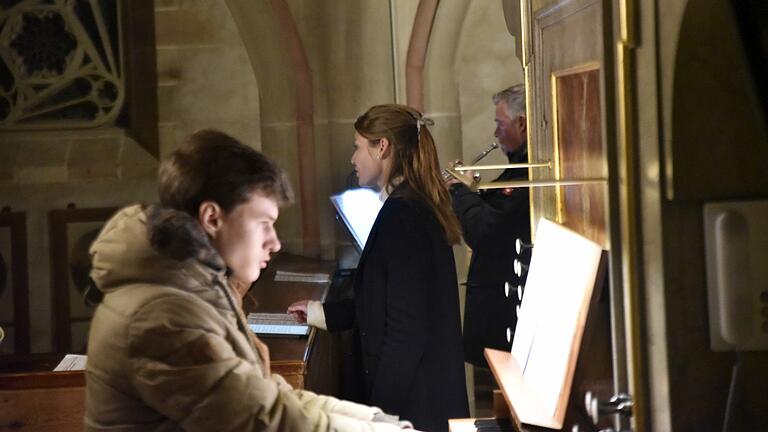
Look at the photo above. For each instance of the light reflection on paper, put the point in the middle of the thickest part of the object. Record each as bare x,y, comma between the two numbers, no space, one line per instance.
358,209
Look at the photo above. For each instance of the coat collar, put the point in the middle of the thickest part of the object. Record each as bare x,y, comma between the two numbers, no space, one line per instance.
401,190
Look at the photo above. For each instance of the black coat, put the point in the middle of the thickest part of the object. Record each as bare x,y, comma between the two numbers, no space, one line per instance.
406,316
491,221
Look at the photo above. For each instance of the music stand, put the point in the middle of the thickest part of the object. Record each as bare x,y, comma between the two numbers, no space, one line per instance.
536,376
357,209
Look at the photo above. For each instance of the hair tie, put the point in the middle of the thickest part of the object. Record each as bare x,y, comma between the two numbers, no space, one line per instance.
423,121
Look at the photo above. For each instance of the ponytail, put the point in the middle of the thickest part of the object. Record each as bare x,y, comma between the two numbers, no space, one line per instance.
414,158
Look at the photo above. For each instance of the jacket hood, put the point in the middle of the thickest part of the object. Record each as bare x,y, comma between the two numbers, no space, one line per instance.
153,245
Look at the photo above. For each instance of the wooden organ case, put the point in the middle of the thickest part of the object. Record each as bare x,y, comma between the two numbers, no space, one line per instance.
568,58
568,64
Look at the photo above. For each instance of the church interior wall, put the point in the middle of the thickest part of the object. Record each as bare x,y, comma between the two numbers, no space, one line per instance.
227,64
709,146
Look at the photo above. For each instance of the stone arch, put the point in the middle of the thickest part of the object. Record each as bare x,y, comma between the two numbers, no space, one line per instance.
278,58
717,126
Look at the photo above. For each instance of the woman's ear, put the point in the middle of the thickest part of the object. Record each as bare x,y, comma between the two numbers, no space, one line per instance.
382,148
210,217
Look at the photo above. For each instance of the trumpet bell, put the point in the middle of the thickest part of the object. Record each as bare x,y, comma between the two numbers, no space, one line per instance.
476,177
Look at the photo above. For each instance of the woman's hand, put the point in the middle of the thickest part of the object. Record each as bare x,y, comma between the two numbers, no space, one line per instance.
299,311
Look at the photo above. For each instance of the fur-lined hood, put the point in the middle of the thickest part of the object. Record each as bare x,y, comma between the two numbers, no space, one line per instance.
153,245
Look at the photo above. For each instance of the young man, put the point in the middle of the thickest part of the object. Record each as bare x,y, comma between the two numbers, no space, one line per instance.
169,348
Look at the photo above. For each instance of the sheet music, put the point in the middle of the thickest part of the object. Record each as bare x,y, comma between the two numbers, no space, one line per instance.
534,298
287,276
358,209
551,308
276,324
71,362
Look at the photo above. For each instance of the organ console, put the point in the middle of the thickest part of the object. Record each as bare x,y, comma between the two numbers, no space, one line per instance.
570,115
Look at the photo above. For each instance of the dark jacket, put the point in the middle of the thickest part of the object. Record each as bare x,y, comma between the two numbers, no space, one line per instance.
491,221
406,316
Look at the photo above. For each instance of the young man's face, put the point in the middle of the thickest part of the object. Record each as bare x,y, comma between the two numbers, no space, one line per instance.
246,237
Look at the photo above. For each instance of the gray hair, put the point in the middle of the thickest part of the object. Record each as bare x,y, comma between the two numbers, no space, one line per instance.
514,97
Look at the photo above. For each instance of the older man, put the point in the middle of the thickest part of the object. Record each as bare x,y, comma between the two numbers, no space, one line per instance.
491,221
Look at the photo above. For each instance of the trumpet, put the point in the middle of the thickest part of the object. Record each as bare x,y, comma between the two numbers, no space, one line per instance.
450,172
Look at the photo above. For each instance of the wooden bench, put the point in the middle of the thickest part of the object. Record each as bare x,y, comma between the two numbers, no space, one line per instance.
32,398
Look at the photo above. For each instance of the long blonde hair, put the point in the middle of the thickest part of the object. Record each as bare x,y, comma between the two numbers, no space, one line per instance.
414,158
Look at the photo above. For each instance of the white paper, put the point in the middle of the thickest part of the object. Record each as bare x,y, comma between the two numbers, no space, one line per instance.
358,209
287,276
276,324
71,362
560,280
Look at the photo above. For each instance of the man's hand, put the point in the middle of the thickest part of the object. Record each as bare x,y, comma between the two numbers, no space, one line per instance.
451,180
299,311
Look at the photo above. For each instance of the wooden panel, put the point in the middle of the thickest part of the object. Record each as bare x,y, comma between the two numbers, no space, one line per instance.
567,113
292,371
14,292
40,400
72,231
520,397
59,409
26,363
140,113
42,379
311,362
570,119
580,151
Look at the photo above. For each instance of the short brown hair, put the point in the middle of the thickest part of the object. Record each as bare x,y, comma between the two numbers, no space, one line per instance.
213,166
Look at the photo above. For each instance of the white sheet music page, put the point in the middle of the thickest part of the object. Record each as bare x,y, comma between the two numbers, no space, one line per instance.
289,276
560,280
358,209
276,324
71,362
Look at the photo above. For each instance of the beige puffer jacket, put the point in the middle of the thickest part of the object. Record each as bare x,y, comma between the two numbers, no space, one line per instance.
168,348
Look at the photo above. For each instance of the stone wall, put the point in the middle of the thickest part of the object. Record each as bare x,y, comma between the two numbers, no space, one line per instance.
44,171
204,80
486,63
223,64
204,74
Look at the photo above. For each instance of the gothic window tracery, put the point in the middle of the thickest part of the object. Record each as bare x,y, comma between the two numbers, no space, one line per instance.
60,64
